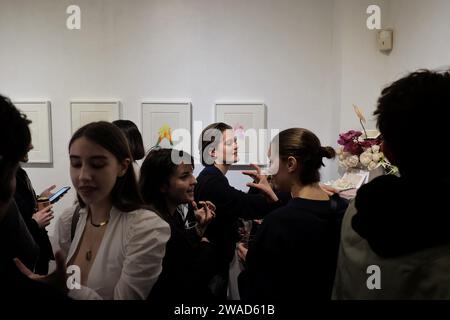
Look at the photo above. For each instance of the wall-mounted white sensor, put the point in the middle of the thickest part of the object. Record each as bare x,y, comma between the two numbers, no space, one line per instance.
385,40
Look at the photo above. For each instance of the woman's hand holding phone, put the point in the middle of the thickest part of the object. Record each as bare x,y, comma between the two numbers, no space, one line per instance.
44,216
58,194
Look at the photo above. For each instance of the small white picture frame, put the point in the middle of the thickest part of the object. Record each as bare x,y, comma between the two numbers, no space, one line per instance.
39,112
167,125
250,126
84,112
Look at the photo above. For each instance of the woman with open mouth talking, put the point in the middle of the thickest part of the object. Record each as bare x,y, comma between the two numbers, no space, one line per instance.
167,184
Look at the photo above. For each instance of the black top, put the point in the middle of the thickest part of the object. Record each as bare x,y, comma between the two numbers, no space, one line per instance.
18,287
25,198
187,265
231,204
395,221
15,239
294,253
17,242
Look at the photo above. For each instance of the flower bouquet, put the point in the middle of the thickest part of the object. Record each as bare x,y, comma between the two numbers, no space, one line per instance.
362,151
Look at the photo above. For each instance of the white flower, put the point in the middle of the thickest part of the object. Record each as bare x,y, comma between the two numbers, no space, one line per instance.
341,157
352,162
365,158
372,165
375,148
339,151
376,157
346,164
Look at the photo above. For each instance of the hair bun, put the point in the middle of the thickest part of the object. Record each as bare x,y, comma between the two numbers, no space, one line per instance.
327,152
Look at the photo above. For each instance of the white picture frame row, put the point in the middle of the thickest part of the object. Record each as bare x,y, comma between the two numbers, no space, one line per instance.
164,124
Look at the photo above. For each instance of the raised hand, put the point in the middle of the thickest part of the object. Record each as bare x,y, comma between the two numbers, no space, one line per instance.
44,216
261,183
242,251
57,279
329,190
47,192
204,215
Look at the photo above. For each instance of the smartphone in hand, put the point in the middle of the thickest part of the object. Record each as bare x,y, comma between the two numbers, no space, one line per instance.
58,194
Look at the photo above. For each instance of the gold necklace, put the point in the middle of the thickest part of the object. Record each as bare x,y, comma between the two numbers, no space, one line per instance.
101,224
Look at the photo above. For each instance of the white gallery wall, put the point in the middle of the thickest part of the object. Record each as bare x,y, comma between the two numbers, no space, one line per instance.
422,36
421,40
307,60
361,66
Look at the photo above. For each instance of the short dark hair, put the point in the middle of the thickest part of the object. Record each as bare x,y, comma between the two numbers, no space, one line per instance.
15,140
304,146
412,115
156,171
125,194
133,136
208,141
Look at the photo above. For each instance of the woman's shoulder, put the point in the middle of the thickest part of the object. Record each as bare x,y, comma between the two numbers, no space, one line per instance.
296,213
66,216
145,214
146,221
281,213
277,220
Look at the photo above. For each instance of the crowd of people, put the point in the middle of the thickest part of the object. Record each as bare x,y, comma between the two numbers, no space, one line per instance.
156,232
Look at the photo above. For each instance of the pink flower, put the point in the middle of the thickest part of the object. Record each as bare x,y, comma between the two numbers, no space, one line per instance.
369,143
349,137
350,142
355,151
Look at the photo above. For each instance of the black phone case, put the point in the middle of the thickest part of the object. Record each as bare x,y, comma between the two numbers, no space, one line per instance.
52,201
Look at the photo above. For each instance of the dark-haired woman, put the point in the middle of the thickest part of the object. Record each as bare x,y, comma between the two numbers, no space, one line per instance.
294,253
167,184
134,139
117,245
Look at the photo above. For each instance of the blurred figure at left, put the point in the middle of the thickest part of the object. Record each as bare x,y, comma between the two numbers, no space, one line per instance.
16,243
36,220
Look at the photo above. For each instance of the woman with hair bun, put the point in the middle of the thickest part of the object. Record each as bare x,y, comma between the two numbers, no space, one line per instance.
295,250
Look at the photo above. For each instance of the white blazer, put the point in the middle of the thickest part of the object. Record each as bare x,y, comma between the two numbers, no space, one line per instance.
129,259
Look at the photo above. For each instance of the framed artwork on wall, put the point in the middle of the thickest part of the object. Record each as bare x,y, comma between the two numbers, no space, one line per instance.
167,125
250,127
39,112
84,112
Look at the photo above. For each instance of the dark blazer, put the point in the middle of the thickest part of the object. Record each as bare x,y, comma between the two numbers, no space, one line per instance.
231,204
15,239
25,198
17,242
187,267
294,253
